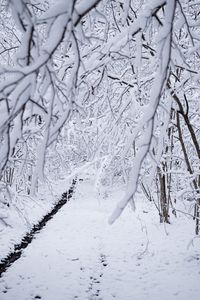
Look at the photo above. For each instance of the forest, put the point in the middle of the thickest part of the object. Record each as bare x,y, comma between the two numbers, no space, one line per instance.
101,97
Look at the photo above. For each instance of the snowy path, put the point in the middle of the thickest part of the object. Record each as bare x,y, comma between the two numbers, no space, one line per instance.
79,256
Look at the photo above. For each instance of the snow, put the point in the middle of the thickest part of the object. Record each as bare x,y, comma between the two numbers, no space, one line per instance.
78,255
26,211
60,8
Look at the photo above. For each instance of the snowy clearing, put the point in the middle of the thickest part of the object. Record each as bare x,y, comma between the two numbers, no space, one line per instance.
78,255
23,215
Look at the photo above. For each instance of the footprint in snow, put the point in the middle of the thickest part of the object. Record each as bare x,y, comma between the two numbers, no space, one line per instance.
103,260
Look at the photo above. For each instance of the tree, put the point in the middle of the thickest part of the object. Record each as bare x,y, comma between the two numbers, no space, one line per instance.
77,55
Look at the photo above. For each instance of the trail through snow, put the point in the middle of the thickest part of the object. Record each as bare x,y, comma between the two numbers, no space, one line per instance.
78,255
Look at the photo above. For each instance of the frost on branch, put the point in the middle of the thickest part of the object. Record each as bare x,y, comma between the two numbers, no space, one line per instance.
106,72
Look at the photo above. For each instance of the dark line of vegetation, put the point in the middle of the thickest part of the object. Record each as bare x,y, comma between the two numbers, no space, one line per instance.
27,239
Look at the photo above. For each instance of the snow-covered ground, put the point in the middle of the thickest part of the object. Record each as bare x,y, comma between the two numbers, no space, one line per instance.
25,211
78,255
